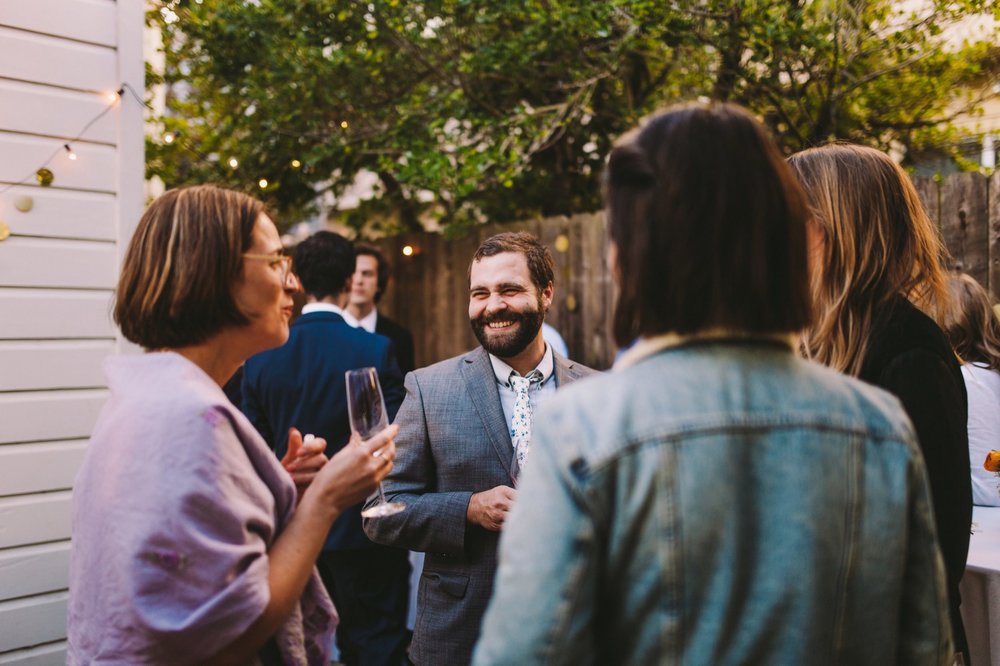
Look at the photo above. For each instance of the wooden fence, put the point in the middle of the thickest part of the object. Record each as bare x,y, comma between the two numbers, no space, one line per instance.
429,293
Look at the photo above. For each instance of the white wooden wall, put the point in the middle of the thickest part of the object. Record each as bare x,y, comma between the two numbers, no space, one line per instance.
59,59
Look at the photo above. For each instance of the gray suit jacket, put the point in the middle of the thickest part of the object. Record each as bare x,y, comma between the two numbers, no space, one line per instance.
453,442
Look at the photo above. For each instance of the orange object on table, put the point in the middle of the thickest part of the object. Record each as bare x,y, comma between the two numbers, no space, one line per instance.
992,463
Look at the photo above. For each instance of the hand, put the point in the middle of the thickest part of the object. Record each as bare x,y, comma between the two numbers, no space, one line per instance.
489,508
352,473
304,458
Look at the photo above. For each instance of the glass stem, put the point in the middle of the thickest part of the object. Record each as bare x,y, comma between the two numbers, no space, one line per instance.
381,493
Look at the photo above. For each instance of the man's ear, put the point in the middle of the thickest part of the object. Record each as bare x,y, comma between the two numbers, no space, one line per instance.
547,296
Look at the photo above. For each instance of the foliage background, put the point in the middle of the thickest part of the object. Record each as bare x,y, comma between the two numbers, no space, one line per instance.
495,110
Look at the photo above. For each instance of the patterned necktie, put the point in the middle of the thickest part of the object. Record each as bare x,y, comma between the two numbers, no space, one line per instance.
520,422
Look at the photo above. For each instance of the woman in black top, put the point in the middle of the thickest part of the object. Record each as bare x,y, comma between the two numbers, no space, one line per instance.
877,280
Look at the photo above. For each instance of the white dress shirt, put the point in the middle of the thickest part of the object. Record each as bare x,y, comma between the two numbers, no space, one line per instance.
537,393
330,307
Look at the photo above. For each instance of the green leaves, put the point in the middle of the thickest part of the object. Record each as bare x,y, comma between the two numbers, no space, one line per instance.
470,111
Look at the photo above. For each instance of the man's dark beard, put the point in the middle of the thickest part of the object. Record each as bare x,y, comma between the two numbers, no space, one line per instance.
511,344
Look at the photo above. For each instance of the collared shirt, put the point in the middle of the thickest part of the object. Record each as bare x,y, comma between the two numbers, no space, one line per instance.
330,307
369,320
537,393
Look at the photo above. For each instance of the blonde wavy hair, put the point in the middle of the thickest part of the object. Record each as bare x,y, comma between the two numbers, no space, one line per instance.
878,243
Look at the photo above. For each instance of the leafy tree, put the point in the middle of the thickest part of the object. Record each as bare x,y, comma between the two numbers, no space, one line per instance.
470,111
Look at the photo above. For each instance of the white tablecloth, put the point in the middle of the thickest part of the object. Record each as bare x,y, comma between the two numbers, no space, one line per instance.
981,588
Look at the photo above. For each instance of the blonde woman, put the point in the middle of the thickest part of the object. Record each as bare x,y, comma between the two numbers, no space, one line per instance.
974,331
877,282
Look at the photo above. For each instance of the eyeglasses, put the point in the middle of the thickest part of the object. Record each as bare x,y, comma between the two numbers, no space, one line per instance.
275,259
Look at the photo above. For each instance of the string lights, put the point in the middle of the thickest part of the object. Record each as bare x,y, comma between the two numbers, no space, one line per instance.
43,175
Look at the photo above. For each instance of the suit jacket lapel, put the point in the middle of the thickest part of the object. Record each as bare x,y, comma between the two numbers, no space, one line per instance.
566,370
481,383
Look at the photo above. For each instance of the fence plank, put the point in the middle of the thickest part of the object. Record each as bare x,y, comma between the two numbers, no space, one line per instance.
964,222
994,236
929,190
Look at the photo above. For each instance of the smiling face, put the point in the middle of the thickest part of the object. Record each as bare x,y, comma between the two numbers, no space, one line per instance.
506,309
264,290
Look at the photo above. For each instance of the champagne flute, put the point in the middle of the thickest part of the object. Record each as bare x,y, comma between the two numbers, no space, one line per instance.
366,408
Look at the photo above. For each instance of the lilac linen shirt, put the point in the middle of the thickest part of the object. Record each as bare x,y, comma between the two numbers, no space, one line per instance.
174,509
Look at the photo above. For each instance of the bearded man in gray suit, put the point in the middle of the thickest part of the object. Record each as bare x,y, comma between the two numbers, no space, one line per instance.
464,433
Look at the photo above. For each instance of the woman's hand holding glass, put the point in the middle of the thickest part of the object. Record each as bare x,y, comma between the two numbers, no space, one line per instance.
354,472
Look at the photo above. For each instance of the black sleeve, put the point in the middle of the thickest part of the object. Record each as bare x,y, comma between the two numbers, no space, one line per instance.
934,398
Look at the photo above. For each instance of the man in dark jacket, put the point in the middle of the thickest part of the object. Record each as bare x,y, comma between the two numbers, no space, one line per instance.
302,383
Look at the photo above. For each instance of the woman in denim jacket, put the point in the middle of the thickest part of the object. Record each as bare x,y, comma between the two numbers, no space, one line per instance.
716,499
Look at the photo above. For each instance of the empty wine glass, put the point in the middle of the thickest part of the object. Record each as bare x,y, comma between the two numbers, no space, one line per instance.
366,409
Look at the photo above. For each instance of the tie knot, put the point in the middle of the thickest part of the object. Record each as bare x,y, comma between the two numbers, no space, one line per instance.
517,381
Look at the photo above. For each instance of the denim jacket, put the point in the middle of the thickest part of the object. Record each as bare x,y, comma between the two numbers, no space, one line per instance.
720,502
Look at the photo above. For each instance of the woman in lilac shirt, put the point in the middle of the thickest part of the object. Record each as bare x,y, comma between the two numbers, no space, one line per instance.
191,542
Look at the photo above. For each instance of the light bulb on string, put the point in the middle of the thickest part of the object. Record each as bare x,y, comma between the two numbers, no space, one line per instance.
296,164
169,137
407,250
343,124
69,151
263,183
233,162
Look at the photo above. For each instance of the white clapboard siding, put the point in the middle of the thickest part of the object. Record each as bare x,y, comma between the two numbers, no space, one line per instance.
84,20
95,169
60,213
31,57
51,314
63,364
40,467
28,622
44,416
44,262
53,654
59,61
56,112
34,519
34,570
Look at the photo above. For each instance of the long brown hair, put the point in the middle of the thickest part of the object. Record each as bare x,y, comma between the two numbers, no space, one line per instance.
709,226
971,324
879,244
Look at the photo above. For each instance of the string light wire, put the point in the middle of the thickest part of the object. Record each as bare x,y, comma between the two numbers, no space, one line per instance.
67,146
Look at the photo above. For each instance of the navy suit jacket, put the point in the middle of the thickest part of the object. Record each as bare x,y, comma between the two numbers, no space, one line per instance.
402,341
302,384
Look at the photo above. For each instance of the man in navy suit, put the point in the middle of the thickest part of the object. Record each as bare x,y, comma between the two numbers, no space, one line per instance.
371,277
302,383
